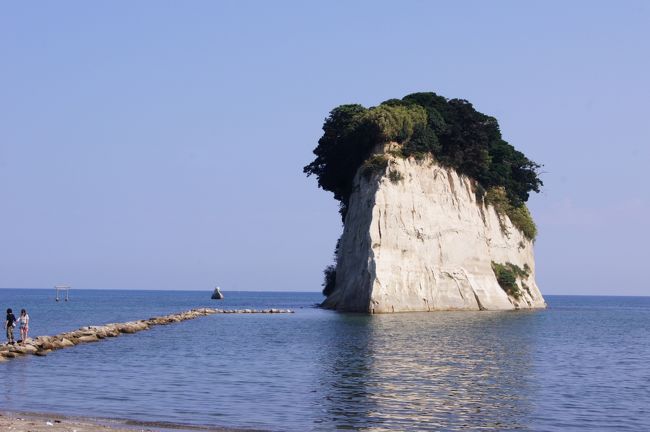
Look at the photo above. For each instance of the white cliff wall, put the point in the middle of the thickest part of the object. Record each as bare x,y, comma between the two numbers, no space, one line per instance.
424,243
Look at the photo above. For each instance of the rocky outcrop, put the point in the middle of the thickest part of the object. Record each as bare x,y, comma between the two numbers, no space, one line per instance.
43,345
217,294
417,238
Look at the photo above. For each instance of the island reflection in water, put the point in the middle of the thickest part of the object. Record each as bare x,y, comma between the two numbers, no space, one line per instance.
450,370
579,365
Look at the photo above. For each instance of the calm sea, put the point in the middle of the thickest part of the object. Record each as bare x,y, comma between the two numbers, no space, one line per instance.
583,364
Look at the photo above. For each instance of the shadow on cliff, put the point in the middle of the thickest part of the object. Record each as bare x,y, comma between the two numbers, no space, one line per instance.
355,266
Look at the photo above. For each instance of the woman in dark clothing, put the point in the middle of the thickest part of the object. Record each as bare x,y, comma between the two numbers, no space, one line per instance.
10,323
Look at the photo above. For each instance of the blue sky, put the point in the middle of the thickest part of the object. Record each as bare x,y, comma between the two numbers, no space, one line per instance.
160,145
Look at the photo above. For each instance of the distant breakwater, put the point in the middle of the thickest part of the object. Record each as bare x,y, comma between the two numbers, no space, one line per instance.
43,345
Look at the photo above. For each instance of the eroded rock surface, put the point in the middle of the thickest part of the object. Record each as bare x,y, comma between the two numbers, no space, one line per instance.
426,242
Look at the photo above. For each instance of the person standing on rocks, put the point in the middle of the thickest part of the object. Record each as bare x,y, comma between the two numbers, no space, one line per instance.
10,323
23,320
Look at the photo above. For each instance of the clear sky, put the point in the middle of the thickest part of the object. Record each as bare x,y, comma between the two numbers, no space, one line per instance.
160,145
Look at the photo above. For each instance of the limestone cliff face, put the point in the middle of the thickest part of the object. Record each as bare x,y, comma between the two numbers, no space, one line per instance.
425,243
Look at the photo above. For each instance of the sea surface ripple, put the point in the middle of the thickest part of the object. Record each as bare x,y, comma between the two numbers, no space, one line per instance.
580,365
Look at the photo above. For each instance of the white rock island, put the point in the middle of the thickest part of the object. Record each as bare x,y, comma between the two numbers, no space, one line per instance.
424,243
433,202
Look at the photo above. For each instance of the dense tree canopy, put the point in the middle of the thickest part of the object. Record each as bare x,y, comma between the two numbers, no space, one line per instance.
451,130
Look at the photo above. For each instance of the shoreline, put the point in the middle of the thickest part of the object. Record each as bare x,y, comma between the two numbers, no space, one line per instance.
51,422
21,421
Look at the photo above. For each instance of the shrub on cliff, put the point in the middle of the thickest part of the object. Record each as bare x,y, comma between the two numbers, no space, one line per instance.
329,279
423,123
375,164
518,214
507,275
395,176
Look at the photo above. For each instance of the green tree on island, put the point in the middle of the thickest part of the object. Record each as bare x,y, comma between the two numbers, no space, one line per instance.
450,130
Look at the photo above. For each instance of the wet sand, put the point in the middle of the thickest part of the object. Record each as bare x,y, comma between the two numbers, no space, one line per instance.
42,422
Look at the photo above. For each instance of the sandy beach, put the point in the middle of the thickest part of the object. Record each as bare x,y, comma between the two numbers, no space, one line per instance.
42,422
21,422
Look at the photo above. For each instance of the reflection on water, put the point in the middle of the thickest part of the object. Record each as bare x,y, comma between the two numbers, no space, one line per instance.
445,370
580,365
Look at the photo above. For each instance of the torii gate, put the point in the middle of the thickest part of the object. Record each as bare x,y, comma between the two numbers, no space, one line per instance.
65,288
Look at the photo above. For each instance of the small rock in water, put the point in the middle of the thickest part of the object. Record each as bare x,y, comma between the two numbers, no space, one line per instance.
216,294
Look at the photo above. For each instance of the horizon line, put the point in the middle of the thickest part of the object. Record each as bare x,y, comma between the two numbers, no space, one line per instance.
276,291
